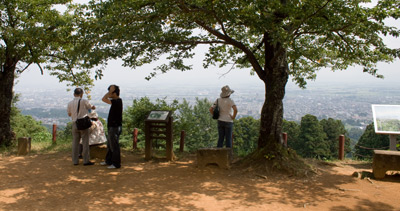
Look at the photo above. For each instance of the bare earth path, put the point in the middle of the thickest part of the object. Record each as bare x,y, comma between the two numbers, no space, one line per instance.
51,182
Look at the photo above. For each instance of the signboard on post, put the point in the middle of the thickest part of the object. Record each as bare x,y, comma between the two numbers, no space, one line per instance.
387,121
158,126
159,116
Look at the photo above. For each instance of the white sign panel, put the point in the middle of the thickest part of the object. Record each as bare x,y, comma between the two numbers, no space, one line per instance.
386,119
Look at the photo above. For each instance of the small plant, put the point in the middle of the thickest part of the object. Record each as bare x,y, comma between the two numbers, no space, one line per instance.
269,156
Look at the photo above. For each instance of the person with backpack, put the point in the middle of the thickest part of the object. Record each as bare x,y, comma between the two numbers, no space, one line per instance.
225,106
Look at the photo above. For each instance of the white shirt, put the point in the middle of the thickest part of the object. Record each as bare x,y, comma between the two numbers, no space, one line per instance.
83,108
225,109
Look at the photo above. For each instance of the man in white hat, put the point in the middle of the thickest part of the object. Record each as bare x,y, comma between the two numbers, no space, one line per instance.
225,119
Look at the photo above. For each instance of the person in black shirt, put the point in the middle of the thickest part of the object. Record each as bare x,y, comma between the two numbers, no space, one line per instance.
114,126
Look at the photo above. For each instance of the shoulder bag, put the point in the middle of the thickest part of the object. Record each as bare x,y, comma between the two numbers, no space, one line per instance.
216,112
83,123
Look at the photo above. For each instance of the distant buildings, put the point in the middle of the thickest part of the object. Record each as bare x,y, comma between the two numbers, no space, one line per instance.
349,104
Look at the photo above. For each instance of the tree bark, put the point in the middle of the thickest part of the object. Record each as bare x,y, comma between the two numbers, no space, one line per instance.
275,79
6,95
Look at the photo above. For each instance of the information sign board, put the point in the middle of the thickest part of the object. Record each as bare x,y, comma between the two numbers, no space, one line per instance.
386,119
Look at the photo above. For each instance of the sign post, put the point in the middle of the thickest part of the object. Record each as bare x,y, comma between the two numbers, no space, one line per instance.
158,126
387,121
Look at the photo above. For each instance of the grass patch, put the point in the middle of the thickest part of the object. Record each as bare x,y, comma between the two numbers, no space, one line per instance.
40,146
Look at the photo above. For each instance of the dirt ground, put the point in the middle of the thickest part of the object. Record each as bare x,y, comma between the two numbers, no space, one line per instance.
51,182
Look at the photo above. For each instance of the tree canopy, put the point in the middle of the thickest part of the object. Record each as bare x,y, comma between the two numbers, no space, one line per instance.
314,34
277,39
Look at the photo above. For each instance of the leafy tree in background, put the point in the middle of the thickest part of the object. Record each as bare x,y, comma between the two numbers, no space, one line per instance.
277,39
200,129
333,129
292,129
245,132
370,141
313,139
24,125
34,32
354,134
134,116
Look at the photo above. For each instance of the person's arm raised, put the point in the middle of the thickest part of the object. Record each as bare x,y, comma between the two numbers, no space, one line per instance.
106,98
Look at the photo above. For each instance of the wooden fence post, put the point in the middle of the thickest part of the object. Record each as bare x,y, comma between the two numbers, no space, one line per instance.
182,142
135,134
284,137
341,147
54,133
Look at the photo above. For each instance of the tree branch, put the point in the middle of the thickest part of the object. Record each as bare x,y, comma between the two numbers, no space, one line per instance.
228,40
66,61
310,16
26,67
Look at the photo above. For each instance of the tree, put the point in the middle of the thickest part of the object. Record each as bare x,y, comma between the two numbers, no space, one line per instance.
312,138
293,132
369,141
245,132
135,115
34,32
200,128
333,129
24,125
277,39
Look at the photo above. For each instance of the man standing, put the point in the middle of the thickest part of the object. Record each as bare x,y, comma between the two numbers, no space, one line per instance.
114,126
72,109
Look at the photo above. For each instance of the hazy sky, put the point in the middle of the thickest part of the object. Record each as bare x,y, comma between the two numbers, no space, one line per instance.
115,73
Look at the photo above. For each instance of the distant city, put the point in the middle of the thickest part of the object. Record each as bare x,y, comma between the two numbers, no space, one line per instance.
349,103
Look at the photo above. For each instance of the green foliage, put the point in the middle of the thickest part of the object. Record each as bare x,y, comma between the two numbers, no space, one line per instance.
316,139
134,116
355,133
313,138
292,129
315,34
200,129
276,39
26,126
245,132
35,32
333,129
370,141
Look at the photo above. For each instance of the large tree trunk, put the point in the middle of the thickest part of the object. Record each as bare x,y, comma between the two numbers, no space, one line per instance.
6,95
275,79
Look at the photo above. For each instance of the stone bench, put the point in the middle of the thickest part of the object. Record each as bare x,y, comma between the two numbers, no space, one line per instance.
24,145
219,156
98,151
384,161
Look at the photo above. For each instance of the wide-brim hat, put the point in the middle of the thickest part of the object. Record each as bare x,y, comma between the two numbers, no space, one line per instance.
93,115
226,91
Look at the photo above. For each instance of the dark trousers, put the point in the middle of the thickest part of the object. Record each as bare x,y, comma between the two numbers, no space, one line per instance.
113,156
225,130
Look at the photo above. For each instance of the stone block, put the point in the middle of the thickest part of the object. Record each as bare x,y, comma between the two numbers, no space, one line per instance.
384,161
219,156
98,151
24,145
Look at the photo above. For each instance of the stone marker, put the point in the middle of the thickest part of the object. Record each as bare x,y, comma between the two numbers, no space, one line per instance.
219,156
24,145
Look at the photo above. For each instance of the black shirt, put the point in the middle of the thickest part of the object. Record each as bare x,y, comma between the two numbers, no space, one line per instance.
115,114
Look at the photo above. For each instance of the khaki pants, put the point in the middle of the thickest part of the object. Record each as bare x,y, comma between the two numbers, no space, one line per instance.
76,137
